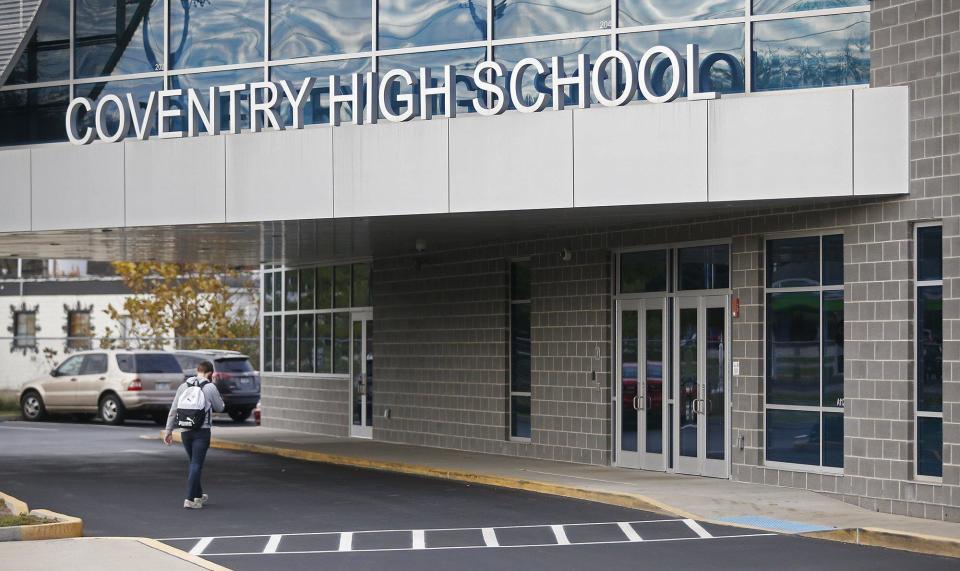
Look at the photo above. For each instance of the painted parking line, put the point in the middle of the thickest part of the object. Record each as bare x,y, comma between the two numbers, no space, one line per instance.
543,535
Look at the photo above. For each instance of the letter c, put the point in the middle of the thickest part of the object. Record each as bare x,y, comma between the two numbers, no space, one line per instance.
72,133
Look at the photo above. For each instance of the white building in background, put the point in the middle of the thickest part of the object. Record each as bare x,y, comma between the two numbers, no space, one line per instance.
49,308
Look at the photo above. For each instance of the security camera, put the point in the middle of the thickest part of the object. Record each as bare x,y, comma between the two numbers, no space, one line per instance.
420,245
565,255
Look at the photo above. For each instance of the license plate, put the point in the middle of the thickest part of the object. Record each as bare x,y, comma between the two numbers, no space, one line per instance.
162,386
245,381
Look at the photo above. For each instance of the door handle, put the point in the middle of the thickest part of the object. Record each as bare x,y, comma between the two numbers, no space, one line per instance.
637,400
73,380
102,379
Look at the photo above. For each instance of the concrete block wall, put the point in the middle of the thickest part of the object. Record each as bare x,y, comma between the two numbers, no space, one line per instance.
442,350
306,403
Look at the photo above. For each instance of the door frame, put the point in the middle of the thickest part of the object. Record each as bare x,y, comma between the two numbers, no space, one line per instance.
701,465
672,296
641,458
365,428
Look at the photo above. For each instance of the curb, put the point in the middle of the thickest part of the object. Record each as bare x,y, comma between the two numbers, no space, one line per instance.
915,542
64,527
178,553
891,539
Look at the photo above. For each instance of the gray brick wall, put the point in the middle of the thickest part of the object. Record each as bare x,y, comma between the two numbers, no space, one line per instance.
305,403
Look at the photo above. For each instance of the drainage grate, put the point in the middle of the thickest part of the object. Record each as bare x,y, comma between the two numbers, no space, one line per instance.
777,525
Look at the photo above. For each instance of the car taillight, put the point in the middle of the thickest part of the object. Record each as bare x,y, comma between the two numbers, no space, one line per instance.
135,385
220,376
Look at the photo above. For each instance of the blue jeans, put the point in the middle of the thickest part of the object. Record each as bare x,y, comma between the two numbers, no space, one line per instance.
196,443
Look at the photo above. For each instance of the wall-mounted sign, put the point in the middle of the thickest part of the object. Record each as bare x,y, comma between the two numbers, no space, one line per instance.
373,96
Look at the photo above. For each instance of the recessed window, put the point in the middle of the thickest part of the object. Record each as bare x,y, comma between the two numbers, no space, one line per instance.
25,329
929,351
804,351
520,365
79,330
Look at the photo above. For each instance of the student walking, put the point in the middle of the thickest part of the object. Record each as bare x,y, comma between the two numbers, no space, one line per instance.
191,411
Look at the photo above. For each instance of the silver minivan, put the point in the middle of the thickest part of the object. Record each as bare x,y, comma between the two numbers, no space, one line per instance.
116,384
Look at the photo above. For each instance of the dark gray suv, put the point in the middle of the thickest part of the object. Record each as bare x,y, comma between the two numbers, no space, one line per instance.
234,376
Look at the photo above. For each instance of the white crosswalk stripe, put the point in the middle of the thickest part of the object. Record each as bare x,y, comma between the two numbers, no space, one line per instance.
560,534
346,541
272,544
697,529
419,539
201,545
628,530
490,537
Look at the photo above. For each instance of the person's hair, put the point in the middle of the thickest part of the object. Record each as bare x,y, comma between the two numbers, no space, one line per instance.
205,367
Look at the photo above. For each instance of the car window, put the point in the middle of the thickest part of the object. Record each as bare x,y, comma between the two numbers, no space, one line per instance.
94,364
241,365
71,366
157,363
125,362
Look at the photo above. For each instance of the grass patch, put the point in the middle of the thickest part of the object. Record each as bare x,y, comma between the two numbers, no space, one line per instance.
25,519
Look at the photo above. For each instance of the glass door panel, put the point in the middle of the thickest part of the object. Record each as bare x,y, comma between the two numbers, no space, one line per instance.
653,395
361,375
629,373
715,383
687,343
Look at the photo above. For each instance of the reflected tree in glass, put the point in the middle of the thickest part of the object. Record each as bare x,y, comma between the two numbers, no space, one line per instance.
214,32
645,12
519,18
811,52
118,36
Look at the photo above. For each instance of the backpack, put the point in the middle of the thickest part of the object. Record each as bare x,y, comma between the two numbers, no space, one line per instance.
192,405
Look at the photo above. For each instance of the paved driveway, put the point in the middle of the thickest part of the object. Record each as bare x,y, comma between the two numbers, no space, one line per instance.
276,513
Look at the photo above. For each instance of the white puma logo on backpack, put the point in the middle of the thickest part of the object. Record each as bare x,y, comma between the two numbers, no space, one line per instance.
192,406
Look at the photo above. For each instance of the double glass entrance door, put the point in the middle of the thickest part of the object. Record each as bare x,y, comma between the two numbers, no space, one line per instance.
673,358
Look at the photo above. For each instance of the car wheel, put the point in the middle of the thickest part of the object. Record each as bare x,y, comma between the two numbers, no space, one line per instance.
31,406
239,414
112,410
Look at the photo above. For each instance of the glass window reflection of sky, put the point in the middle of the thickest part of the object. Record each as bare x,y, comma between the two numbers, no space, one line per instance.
408,23
303,28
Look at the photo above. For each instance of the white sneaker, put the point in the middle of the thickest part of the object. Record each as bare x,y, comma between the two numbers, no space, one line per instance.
193,504
202,500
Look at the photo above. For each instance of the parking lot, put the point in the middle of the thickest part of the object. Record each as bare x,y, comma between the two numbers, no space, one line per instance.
275,513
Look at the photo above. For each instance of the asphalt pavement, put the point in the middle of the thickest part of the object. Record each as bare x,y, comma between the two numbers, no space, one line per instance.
268,512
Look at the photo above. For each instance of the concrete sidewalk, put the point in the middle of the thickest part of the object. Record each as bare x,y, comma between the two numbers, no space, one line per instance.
100,554
722,501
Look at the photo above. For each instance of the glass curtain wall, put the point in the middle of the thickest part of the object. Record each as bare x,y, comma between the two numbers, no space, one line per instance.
804,351
306,316
745,45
